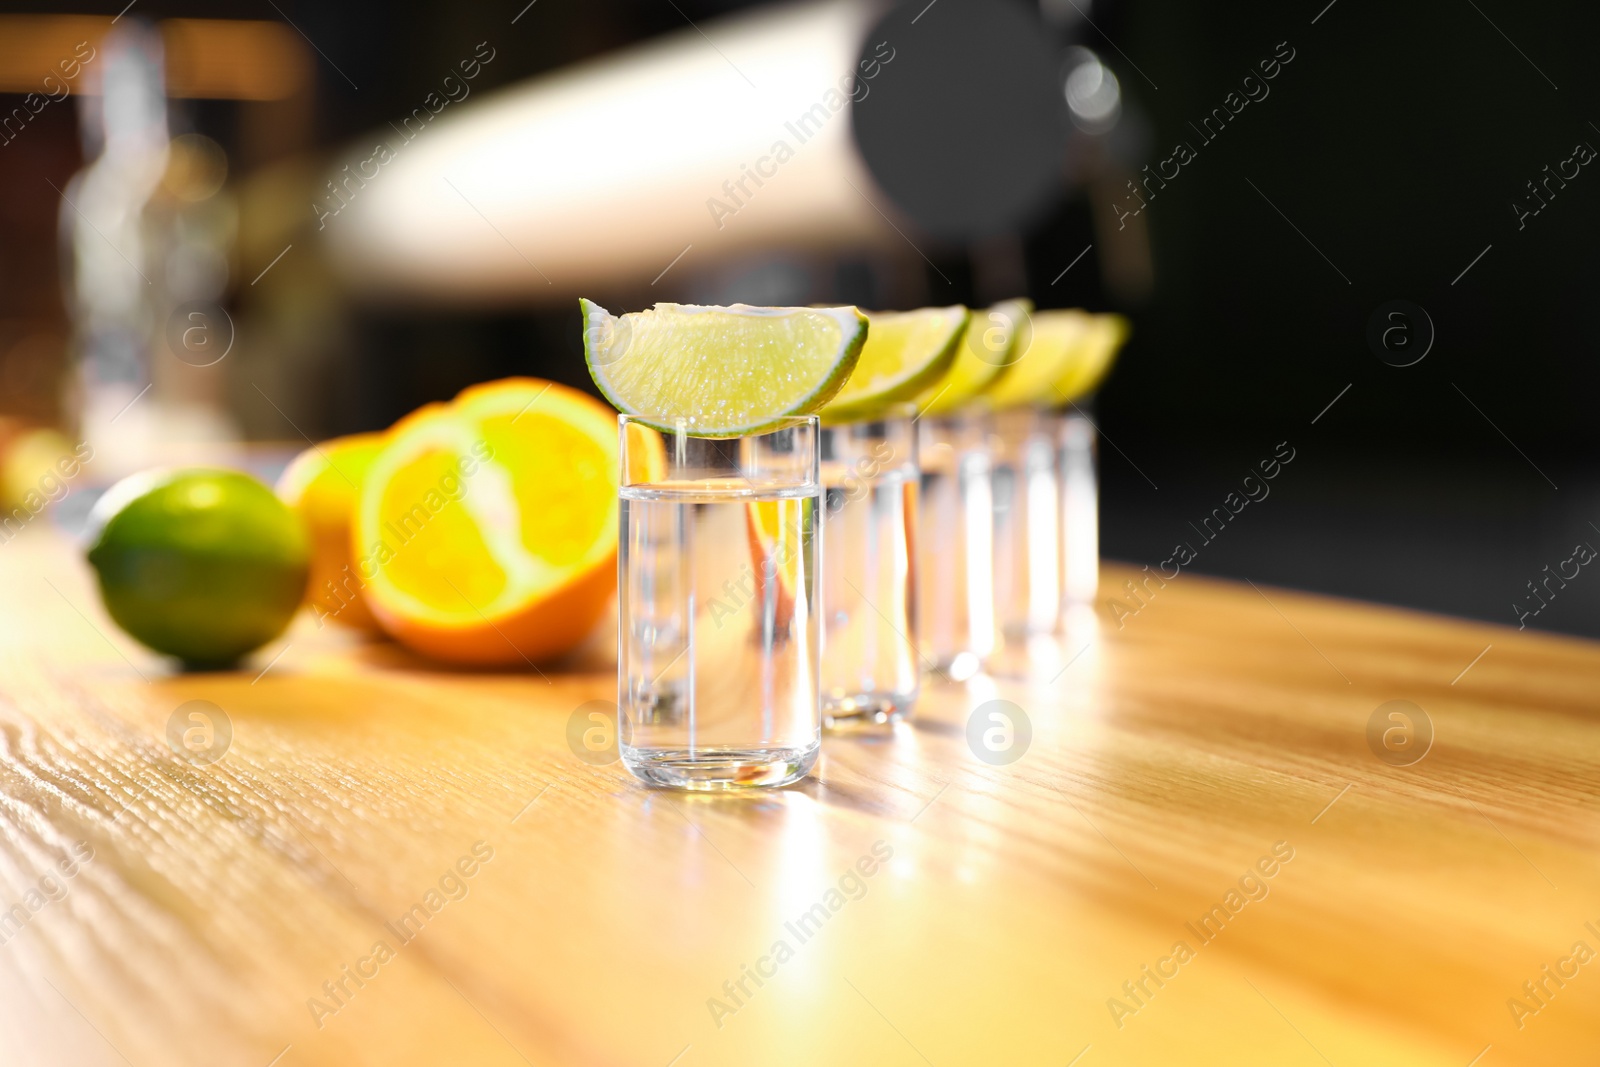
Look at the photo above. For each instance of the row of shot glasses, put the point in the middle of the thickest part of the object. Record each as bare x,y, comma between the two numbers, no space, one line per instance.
815,576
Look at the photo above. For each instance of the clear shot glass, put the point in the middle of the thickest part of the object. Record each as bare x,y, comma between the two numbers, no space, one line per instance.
718,642
1028,516
955,544
870,663
1080,506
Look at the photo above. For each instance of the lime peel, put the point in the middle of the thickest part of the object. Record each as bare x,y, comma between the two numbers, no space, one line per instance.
971,373
906,351
1107,334
1059,347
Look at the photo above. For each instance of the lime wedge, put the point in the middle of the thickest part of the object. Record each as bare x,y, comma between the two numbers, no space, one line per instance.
1107,334
1058,345
721,371
905,352
984,354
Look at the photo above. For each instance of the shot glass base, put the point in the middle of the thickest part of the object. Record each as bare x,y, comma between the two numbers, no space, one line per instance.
860,712
719,769
959,667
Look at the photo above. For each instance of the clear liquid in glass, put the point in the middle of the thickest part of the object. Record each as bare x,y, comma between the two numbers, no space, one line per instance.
719,648
1080,509
870,670
955,547
1028,524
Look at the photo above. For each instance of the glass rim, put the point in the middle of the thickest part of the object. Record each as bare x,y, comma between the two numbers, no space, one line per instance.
903,410
664,425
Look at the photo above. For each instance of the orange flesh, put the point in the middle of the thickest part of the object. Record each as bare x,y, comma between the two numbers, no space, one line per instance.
563,481
435,552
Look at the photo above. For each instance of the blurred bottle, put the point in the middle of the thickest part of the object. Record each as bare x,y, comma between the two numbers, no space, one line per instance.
147,228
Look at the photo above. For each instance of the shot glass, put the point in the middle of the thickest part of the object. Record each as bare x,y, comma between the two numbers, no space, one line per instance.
718,642
1080,506
869,661
1028,516
955,544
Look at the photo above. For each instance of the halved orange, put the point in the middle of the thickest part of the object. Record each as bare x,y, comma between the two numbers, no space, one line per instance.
489,524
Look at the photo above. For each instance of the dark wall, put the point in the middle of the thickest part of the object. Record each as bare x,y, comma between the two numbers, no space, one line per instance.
1385,161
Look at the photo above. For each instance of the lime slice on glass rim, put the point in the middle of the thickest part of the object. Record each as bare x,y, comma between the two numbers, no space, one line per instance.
721,371
1059,345
993,339
906,351
1107,334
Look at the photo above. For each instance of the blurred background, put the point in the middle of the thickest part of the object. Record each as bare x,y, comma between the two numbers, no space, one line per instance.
1364,231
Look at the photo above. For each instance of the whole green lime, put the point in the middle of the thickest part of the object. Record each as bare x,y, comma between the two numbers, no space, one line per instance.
205,565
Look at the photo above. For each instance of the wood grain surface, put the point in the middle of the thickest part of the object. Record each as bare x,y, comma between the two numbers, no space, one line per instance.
394,863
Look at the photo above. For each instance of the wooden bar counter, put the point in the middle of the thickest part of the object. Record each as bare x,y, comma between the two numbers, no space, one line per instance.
1209,852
